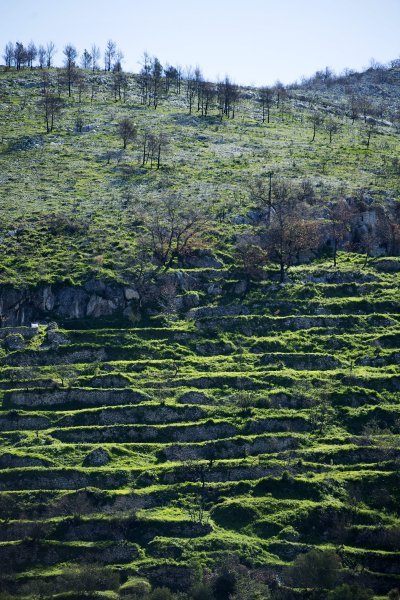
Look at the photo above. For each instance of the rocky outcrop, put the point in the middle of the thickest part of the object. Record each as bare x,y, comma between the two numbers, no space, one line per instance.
94,299
72,396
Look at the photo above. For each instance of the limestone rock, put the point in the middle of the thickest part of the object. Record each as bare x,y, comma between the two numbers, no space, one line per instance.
131,294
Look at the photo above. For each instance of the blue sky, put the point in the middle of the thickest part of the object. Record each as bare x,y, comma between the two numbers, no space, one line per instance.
252,41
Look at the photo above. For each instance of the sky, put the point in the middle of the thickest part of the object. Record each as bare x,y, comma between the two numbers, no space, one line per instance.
254,42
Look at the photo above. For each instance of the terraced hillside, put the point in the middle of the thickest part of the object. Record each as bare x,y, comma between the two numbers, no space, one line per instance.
199,337
262,423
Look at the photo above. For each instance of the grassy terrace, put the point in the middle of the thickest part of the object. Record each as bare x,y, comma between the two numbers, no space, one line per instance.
239,417
286,429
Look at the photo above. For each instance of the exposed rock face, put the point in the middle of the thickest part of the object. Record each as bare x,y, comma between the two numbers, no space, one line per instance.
94,299
388,265
203,260
72,396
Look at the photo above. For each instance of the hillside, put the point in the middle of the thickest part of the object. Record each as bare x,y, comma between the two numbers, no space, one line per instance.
209,398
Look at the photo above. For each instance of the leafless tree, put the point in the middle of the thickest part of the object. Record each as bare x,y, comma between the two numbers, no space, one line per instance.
339,224
190,88
332,126
51,106
251,258
208,93
366,106
173,230
95,52
109,55
179,77
8,55
290,231
153,146
228,96
86,59
317,120
32,53
280,92
156,80
145,78
354,107
127,131
70,53
20,55
80,82
199,80
41,56
50,52
266,98
171,76
369,130
119,84
117,66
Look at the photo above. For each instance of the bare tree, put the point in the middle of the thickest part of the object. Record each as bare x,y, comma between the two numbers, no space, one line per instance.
173,230
289,232
368,131
20,55
119,84
50,52
127,130
109,54
366,106
190,88
179,77
95,52
208,94
228,95
265,98
119,57
171,75
51,106
156,80
317,120
199,80
8,55
32,53
70,53
153,146
80,82
332,126
339,221
261,194
86,59
354,104
145,78
280,92
41,56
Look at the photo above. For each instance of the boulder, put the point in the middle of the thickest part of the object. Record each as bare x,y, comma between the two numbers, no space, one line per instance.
131,294
97,458
14,342
190,301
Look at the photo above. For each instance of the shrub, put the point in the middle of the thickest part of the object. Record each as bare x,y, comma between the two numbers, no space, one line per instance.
135,589
161,593
315,569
